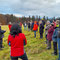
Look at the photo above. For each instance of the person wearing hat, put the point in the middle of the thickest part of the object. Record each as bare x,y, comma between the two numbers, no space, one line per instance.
1,37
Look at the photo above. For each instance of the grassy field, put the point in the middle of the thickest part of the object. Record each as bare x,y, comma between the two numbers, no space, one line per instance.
35,48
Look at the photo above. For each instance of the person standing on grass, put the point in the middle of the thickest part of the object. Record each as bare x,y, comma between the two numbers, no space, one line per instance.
28,25
32,25
49,35
17,41
54,38
1,37
46,29
25,25
58,40
41,29
35,27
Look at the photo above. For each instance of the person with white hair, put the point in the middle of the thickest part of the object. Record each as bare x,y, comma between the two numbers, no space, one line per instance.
10,25
46,29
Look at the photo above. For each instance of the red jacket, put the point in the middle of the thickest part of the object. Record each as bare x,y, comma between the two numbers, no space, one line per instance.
17,44
50,33
35,27
9,26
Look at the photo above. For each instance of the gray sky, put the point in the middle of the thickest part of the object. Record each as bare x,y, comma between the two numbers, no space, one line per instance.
30,7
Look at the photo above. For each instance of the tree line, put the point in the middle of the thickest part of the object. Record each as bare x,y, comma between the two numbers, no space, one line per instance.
5,19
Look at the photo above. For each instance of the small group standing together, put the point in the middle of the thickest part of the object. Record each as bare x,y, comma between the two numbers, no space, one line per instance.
52,33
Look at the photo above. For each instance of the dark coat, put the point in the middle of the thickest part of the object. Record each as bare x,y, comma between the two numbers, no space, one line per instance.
1,33
41,28
28,25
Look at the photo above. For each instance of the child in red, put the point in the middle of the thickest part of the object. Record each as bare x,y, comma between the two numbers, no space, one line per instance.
17,40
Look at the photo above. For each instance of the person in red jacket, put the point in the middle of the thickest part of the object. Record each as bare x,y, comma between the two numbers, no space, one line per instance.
49,36
17,40
10,25
35,27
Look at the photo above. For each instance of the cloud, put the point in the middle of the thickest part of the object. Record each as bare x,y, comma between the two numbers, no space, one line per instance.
18,15
30,7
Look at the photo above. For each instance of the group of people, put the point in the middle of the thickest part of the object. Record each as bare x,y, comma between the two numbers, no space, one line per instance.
33,26
17,40
52,33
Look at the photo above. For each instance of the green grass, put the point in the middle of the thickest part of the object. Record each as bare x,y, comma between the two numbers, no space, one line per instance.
35,48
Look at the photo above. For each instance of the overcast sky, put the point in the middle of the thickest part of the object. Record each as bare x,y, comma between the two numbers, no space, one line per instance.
30,7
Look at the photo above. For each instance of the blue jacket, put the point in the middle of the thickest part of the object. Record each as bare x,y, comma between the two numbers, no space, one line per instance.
54,37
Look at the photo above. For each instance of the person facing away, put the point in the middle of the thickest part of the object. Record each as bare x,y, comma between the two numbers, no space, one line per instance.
17,41
41,29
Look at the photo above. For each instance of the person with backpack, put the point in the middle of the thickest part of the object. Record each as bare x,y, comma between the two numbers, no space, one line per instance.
41,29
17,41
1,37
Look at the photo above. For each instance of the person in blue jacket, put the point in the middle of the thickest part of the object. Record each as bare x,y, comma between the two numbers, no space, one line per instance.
54,38
58,39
